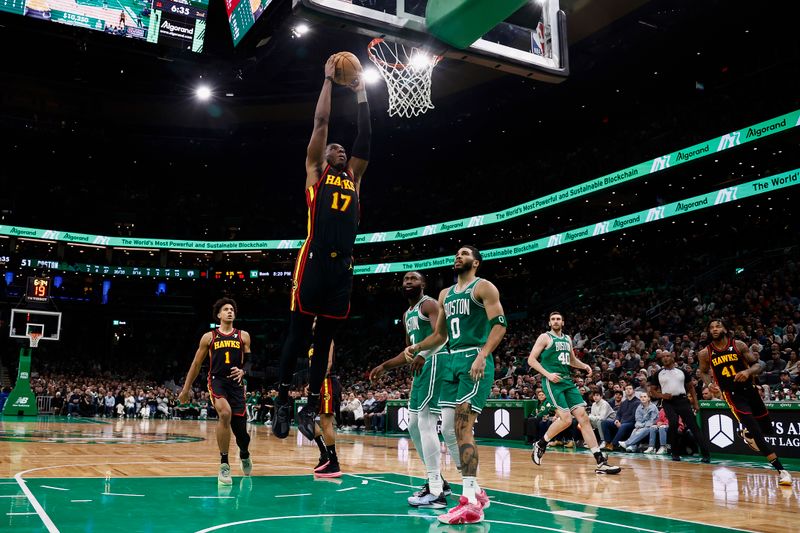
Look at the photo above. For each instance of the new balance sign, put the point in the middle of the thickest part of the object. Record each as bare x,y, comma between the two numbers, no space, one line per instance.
726,195
402,418
660,163
21,402
502,423
720,430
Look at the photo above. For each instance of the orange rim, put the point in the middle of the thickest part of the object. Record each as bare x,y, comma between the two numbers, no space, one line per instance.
377,60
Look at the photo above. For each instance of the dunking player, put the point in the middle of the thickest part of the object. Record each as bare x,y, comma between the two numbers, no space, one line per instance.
324,434
323,274
428,367
734,368
227,347
471,337
553,357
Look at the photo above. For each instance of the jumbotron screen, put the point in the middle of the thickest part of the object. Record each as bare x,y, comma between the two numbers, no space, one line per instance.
175,23
242,14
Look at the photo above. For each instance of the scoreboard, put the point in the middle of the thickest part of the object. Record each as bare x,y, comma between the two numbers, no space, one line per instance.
242,14
176,23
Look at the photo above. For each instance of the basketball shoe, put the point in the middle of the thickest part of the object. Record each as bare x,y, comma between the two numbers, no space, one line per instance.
784,478
280,428
604,468
306,421
428,500
537,453
323,462
247,466
463,513
224,477
330,470
483,499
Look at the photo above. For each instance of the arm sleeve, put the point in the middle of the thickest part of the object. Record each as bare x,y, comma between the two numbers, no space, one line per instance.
362,143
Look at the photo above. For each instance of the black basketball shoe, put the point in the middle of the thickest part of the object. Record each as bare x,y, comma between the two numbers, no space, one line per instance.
283,414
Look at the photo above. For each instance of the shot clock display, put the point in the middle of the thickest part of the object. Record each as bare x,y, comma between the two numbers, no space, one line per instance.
176,23
38,289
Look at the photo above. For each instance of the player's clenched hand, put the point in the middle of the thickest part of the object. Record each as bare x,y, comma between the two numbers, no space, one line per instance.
553,378
713,388
410,352
741,376
417,364
478,368
376,372
237,374
588,371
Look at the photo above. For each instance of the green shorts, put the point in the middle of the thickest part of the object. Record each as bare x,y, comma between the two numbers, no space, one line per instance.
564,394
457,384
426,386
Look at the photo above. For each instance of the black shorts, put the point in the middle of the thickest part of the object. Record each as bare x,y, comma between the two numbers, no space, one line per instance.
330,397
226,388
323,282
745,402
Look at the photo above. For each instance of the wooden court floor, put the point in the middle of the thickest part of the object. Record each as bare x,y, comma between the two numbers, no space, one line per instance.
160,475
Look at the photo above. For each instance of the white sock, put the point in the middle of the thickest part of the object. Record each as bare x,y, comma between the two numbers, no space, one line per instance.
470,486
449,434
413,431
431,455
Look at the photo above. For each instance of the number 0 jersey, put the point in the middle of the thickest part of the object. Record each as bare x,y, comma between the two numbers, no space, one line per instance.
556,357
226,351
725,364
467,323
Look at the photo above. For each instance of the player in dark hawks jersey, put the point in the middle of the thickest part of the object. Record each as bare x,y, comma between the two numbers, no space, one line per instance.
323,274
734,369
227,347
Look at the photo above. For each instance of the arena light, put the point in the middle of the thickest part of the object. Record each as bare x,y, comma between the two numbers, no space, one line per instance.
421,60
203,93
300,30
371,75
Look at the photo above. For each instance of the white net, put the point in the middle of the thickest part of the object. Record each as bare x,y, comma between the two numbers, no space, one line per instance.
408,76
33,338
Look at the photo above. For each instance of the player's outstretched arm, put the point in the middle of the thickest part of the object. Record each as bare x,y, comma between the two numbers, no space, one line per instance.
315,153
360,154
194,370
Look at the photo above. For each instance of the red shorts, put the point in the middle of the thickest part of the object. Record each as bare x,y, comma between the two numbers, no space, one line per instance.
329,396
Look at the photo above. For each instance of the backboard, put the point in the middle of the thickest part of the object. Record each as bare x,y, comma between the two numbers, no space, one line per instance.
26,321
531,42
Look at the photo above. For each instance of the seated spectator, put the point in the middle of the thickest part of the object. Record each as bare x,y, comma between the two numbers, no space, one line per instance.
622,427
646,416
601,410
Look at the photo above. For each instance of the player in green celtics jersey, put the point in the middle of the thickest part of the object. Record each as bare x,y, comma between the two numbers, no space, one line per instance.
423,406
473,325
553,357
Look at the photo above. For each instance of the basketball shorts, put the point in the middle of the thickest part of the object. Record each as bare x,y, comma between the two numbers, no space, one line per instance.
745,402
330,396
563,395
457,385
427,385
322,283
219,387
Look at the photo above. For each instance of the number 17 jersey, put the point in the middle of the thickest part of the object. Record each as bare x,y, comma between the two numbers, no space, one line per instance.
556,357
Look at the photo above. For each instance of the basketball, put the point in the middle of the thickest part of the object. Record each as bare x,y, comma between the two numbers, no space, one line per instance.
348,68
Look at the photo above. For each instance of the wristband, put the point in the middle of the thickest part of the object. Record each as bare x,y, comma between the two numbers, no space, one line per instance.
329,78
498,320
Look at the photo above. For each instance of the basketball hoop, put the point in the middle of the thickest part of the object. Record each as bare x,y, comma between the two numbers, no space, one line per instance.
33,338
407,74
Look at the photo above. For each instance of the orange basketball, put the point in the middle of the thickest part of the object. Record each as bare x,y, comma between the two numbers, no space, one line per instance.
348,68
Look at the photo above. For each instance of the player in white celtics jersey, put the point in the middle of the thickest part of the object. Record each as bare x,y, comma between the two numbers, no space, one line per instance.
427,367
553,357
473,325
